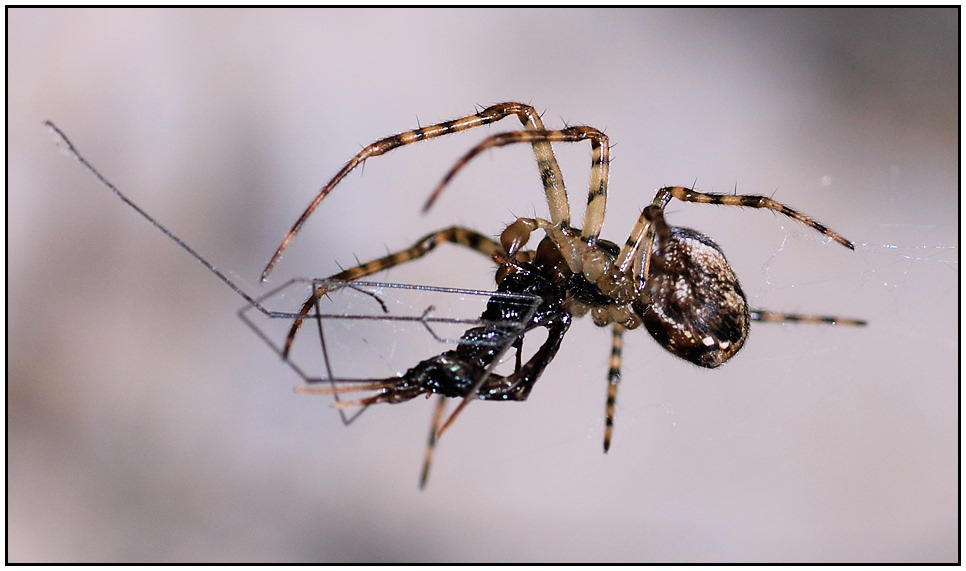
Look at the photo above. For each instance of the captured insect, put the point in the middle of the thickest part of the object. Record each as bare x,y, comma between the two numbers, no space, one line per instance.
674,281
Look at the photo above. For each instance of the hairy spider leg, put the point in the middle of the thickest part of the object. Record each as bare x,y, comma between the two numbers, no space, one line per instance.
578,252
454,234
613,379
685,194
550,174
765,316
642,230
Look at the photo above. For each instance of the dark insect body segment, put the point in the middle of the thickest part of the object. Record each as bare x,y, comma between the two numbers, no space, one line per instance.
465,372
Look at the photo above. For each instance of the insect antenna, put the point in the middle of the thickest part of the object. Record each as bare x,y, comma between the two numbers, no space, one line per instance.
65,144
61,140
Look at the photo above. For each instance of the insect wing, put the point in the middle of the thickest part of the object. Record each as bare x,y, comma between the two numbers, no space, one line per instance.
371,330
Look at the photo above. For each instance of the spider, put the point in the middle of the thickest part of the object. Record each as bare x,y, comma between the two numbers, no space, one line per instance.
674,281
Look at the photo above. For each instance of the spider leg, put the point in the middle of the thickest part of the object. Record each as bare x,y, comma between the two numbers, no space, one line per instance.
654,212
597,195
577,252
454,234
613,379
649,224
775,317
750,200
549,169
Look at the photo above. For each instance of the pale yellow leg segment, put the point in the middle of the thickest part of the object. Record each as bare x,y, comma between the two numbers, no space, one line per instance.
597,195
576,251
556,196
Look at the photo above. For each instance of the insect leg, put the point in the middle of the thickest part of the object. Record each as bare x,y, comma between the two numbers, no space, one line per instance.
431,445
649,224
599,141
516,387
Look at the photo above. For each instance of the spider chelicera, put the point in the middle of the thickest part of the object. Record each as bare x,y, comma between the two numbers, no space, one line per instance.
674,281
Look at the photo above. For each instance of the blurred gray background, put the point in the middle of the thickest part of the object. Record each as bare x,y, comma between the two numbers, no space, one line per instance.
147,423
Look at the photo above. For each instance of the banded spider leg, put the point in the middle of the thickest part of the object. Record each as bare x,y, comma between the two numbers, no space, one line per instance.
543,153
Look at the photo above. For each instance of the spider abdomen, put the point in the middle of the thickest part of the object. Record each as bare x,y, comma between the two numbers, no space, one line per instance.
696,309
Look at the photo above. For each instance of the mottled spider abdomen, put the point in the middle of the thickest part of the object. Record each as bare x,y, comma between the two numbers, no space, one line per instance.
697,309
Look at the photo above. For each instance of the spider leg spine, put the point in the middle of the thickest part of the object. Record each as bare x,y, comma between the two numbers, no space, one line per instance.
550,171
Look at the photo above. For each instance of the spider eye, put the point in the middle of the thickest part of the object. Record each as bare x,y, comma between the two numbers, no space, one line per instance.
697,309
